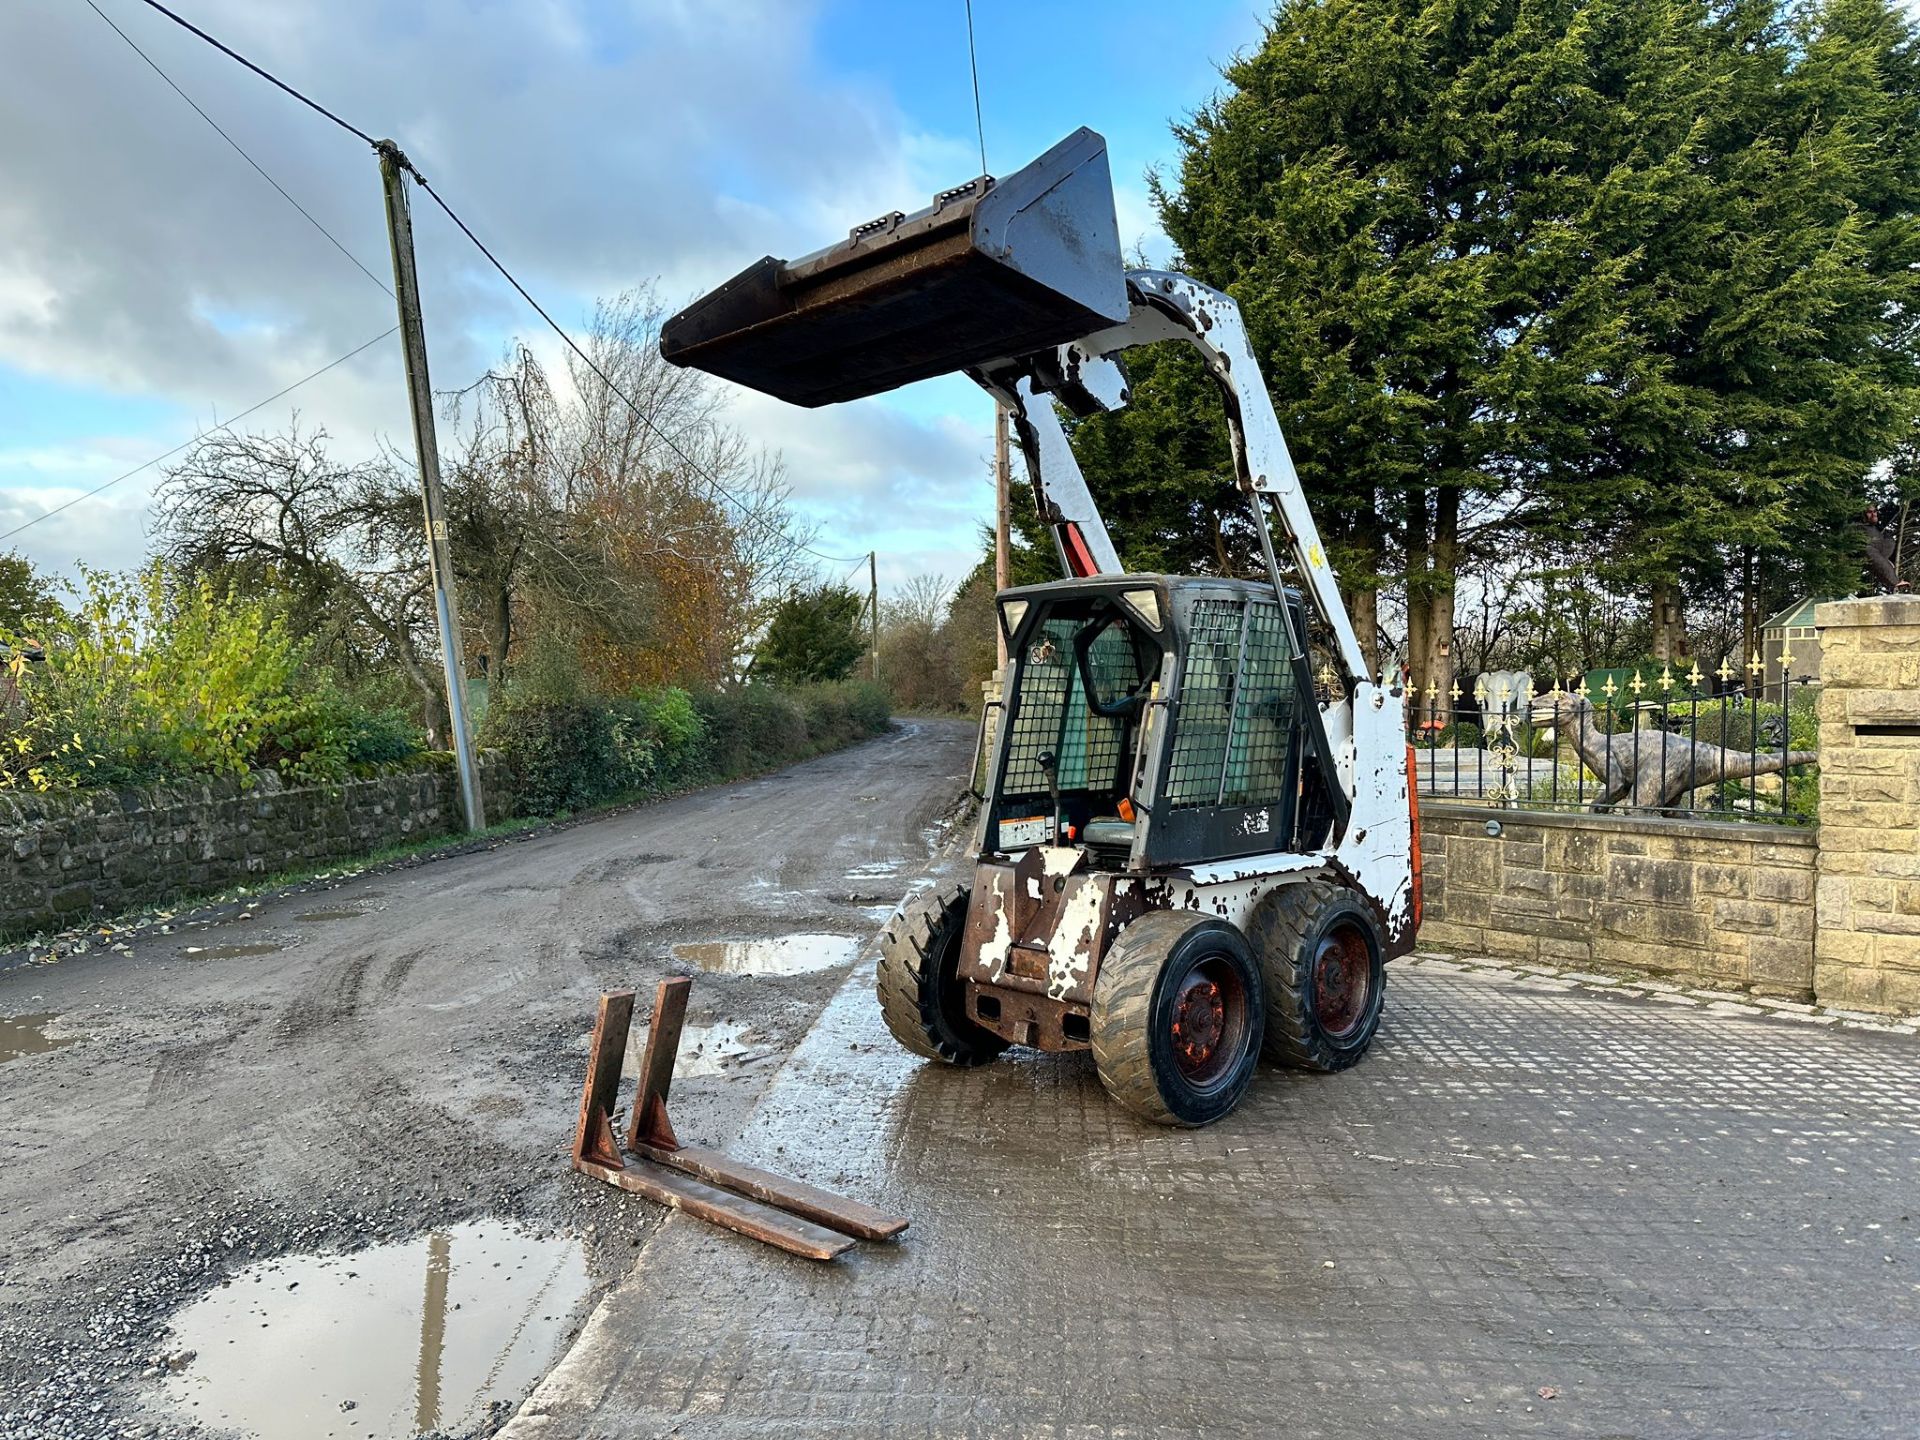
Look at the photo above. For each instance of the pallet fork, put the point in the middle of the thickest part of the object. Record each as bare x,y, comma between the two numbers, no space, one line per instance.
795,1216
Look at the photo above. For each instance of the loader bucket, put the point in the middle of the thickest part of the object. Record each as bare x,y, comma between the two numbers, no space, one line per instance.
993,268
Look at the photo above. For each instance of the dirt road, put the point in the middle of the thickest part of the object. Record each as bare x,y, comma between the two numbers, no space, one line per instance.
402,1053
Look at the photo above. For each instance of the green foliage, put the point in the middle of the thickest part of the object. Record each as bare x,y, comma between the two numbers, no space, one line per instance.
814,635
377,738
1459,734
1635,277
562,753
150,679
1163,473
27,603
659,737
748,725
1757,727
569,754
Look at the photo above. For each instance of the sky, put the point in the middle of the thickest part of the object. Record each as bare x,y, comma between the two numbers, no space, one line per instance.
153,285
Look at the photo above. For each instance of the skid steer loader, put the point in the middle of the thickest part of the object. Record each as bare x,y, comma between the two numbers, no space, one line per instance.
1185,855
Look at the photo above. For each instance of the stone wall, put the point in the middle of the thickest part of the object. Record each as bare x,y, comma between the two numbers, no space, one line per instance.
1726,904
64,857
1867,955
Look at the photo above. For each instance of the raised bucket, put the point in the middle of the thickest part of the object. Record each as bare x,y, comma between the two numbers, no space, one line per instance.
991,269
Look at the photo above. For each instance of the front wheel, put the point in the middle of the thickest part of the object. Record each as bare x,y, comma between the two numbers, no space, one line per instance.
921,996
1178,1011
1321,954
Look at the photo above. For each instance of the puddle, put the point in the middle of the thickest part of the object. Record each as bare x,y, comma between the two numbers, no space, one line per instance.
876,870
228,952
27,1035
715,1048
788,955
390,1342
314,917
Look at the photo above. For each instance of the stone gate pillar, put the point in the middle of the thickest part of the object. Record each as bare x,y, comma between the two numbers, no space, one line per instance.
1866,952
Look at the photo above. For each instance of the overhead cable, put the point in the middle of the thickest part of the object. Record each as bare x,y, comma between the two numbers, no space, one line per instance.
747,512
332,239
213,430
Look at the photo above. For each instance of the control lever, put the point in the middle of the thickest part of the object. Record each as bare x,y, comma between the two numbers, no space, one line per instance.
1050,763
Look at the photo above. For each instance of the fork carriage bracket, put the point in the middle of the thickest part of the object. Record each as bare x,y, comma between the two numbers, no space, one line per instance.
791,1214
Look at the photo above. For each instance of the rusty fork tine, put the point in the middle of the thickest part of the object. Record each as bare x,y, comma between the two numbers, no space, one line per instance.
593,1136
650,1123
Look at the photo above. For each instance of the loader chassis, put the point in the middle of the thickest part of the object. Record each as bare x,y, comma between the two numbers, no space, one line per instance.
1207,747
1188,852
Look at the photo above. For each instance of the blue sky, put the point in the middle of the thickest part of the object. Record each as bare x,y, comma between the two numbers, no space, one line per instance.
151,284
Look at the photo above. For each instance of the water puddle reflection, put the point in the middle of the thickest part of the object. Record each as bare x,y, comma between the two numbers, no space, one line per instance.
429,1334
710,1048
229,952
788,955
27,1035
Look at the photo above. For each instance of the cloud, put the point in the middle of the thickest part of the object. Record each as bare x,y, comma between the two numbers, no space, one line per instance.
583,143
109,532
593,147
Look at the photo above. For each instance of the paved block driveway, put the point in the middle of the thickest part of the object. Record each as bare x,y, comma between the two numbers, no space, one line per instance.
1674,1222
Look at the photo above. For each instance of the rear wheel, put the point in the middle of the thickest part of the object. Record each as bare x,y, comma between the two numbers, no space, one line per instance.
1177,1013
921,996
1321,955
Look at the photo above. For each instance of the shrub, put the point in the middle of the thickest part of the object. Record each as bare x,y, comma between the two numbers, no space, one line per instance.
562,753
153,678
751,728
840,714
661,736
387,736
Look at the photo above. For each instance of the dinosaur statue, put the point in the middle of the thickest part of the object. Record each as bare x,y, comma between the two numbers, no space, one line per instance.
1656,771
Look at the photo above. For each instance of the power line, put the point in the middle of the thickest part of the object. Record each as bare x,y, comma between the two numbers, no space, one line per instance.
268,76
662,436
646,420
194,440
973,63
331,238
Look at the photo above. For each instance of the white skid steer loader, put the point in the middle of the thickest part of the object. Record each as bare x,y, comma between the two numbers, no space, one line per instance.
1184,855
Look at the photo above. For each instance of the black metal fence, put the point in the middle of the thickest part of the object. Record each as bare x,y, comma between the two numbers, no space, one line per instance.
1665,743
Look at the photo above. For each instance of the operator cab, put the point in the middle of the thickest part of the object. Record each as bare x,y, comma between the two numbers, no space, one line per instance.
1156,720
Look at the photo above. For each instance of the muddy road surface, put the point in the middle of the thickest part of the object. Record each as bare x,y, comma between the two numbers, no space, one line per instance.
201,1129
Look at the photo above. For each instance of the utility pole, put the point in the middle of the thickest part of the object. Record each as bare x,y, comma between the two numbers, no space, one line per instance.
1001,522
413,339
873,612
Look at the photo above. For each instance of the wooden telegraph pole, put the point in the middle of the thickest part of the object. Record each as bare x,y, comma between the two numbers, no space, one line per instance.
1001,537
413,339
873,612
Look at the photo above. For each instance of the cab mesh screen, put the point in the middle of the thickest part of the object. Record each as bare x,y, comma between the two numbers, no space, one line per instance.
1052,713
1263,713
1237,705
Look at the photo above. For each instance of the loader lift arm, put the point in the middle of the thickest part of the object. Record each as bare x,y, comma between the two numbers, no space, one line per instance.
1085,377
